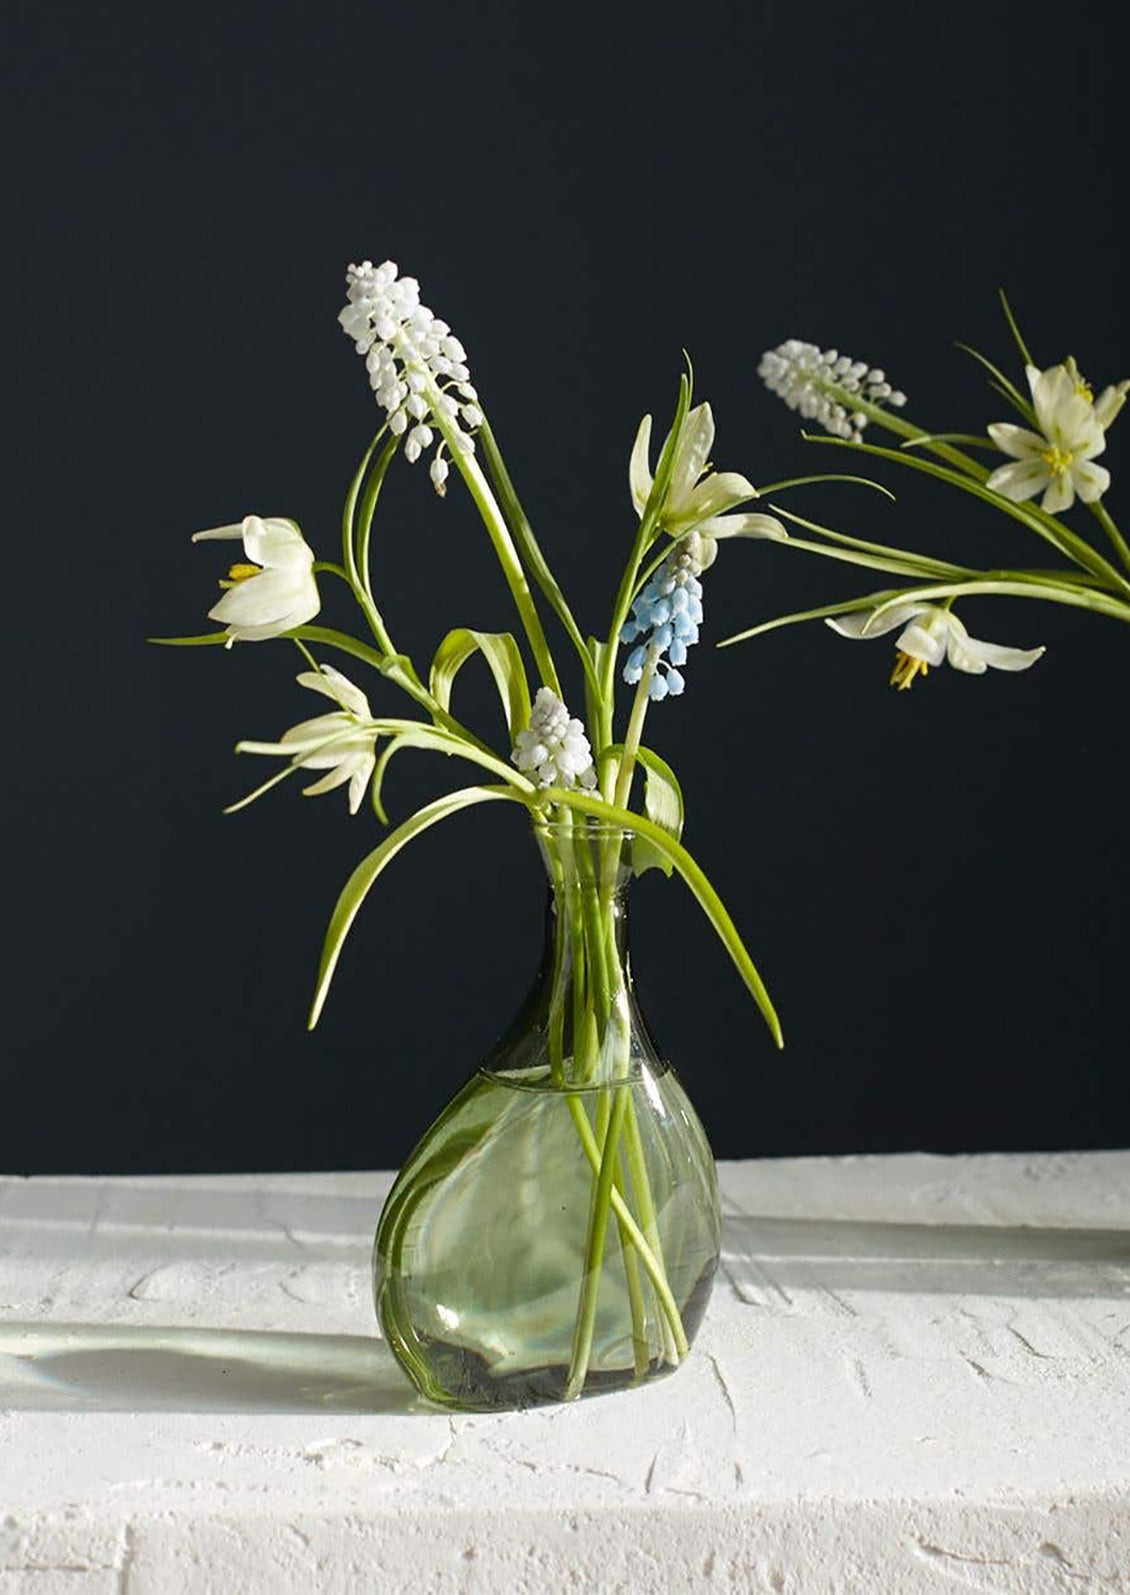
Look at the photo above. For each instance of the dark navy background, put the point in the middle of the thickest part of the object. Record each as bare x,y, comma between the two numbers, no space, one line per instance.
933,882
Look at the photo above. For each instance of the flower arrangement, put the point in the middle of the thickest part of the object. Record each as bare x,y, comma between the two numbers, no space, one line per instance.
582,781
1050,457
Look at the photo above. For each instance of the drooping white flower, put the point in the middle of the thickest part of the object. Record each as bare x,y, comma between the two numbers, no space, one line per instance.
695,500
416,365
554,748
931,634
272,592
1057,461
803,375
342,743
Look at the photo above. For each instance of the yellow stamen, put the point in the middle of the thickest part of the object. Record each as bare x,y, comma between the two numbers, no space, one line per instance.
241,573
1056,460
1084,390
906,669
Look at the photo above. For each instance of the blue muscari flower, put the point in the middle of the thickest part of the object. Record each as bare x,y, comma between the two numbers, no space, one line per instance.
665,618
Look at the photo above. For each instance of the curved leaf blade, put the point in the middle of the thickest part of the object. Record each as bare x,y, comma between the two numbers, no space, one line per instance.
359,884
504,659
662,803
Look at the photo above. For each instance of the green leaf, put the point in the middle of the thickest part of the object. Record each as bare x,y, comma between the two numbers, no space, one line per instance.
823,476
846,607
352,496
1074,597
504,658
1011,392
1022,347
900,560
665,469
663,803
1051,530
528,545
208,639
708,899
367,508
597,714
436,739
358,885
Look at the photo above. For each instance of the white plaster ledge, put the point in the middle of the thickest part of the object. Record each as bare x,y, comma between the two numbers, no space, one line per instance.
914,1376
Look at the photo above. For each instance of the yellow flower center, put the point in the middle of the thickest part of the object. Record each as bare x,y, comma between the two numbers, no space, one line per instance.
1056,460
241,573
906,669
1084,390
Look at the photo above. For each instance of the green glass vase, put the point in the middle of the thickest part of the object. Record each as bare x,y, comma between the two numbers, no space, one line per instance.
556,1232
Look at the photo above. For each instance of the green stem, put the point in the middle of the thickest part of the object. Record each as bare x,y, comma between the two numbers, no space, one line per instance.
1106,521
1062,538
594,1249
652,1267
398,668
530,550
499,534
635,730
904,429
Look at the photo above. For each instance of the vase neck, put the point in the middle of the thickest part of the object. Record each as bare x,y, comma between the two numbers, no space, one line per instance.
581,1025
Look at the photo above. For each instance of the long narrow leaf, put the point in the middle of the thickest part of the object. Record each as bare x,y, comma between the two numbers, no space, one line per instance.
707,898
1022,347
435,739
904,556
350,506
847,607
1010,390
358,885
367,508
663,803
504,659
1060,537
207,639
823,476
528,545
1073,597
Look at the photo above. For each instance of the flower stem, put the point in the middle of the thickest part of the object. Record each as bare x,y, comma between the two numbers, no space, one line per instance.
1106,521
594,1250
499,533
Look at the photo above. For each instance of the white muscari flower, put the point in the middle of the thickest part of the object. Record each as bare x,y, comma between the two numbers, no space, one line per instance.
412,358
1057,461
342,743
801,374
554,749
274,590
930,635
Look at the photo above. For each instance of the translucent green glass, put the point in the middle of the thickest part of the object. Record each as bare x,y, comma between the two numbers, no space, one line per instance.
556,1232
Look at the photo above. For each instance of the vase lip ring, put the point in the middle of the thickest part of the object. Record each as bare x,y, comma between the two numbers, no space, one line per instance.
589,830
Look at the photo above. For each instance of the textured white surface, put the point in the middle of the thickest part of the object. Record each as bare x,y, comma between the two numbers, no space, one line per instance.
914,1375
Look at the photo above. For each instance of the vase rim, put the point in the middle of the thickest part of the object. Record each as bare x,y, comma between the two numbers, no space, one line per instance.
566,830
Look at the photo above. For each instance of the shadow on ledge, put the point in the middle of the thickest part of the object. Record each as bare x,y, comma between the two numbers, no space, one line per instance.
768,1257
120,1368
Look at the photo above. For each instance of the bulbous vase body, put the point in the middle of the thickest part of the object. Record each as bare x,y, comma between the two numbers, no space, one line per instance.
556,1232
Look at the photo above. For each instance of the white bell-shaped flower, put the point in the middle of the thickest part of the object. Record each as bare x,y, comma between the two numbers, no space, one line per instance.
275,590
930,635
342,743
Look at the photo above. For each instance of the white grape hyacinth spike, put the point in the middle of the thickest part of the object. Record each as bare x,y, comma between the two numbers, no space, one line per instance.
800,373
554,750
417,367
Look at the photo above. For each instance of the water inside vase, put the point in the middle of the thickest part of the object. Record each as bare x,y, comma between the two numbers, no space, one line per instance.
481,1252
